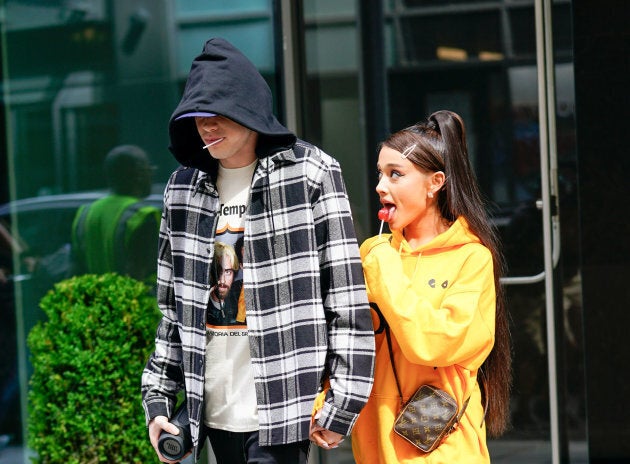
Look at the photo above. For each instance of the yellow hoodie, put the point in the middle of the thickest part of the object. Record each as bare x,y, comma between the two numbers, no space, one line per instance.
439,301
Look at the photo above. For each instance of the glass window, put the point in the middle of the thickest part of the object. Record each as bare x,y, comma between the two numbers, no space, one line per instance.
79,79
331,111
452,37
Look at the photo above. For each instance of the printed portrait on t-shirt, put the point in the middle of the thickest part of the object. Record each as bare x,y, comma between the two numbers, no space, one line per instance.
225,286
226,306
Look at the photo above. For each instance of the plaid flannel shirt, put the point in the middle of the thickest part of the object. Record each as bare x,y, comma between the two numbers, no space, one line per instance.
307,311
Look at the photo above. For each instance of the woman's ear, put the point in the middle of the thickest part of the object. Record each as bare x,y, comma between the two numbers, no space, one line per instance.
437,181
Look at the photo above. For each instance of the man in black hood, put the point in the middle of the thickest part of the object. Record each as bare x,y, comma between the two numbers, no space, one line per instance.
297,364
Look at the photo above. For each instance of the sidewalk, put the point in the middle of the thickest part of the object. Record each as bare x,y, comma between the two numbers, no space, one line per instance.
501,452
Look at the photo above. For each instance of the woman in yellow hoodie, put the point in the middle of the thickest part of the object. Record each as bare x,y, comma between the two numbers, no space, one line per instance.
435,282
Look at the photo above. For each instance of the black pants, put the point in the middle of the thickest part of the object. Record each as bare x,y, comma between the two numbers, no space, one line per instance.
243,448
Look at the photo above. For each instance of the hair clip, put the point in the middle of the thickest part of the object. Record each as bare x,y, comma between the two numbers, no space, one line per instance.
407,151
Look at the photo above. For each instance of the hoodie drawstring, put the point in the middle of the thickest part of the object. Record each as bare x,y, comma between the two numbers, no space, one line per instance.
269,207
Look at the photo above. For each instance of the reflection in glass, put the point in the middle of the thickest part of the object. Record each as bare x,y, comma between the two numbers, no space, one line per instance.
118,233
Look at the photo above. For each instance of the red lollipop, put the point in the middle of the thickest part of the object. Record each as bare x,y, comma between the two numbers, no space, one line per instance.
383,214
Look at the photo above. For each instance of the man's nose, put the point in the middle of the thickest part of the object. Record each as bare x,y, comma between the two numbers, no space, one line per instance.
209,124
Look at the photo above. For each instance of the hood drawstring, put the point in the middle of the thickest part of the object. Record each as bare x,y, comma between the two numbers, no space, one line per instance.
269,205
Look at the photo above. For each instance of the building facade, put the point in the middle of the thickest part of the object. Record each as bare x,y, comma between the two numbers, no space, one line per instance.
541,86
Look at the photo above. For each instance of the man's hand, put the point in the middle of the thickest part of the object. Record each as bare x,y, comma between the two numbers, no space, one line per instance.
322,437
156,426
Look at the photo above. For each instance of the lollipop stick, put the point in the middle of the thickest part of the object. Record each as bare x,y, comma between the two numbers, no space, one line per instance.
380,231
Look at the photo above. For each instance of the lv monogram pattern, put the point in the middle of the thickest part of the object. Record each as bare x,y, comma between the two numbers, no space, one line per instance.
427,418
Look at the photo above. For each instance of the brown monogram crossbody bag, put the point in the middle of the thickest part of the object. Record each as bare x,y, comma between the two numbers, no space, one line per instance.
429,415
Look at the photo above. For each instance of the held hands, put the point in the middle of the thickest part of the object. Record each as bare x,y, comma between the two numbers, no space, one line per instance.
322,437
156,426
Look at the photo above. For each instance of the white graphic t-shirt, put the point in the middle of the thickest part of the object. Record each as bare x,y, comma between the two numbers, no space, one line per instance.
230,396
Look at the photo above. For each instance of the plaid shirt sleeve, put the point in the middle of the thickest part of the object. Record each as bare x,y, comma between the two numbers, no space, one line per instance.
160,383
350,359
177,363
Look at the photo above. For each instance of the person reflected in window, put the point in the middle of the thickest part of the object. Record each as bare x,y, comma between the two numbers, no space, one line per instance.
119,232
434,280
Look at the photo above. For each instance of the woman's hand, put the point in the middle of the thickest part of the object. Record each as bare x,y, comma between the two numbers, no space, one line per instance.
322,437
382,267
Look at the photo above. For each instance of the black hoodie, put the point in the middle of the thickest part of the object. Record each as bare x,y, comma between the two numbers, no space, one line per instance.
223,81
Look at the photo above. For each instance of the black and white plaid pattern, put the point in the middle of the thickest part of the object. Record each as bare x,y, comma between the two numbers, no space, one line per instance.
307,311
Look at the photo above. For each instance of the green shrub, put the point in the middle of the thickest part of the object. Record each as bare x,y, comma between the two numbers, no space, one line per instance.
88,356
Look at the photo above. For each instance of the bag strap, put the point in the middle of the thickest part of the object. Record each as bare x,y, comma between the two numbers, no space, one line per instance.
391,358
385,326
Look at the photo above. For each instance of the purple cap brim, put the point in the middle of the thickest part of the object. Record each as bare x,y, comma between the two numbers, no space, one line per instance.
200,114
